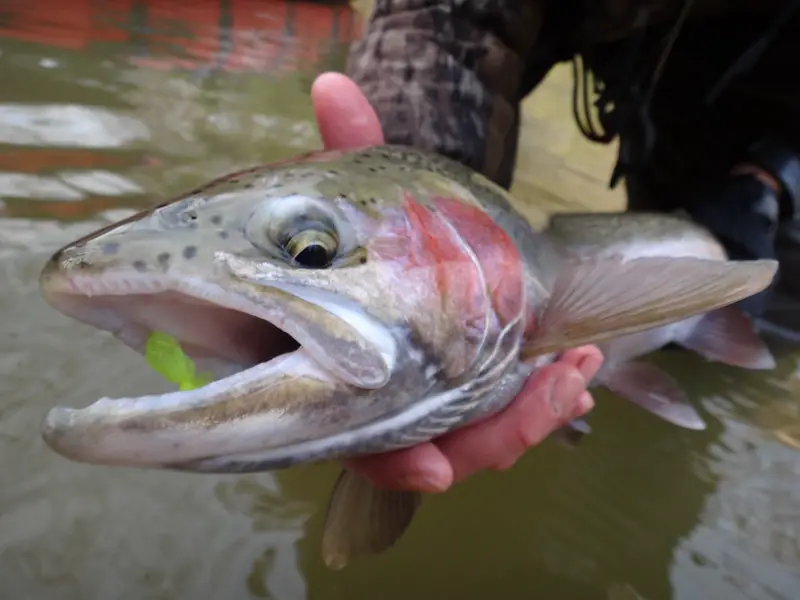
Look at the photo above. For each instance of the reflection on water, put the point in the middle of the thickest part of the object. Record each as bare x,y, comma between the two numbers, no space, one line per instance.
116,104
67,125
133,87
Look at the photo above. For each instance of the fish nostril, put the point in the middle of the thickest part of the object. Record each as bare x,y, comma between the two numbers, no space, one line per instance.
56,257
68,252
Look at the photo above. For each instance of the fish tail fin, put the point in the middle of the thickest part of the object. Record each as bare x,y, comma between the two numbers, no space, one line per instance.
364,519
654,390
729,336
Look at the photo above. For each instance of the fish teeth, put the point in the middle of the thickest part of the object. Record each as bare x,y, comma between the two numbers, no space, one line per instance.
116,285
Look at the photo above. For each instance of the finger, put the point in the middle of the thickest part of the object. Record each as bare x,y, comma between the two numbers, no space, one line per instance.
422,468
587,359
550,399
344,116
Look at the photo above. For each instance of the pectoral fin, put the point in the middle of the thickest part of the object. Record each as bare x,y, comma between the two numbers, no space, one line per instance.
655,391
363,519
597,299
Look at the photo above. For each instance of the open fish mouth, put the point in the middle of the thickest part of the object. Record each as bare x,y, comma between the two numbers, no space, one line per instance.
271,352
221,331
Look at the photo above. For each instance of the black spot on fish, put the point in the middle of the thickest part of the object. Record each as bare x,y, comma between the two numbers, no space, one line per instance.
217,219
373,201
223,235
163,259
189,252
111,248
373,170
140,266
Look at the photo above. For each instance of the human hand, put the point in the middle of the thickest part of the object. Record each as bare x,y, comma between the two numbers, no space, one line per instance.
552,396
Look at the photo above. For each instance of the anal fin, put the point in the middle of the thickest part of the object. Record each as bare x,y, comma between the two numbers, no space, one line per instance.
363,519
654,390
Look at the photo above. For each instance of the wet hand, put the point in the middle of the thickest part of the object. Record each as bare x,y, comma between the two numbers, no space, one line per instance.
552,397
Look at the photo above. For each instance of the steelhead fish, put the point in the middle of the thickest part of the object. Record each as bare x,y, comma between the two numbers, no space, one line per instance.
725,335
349,303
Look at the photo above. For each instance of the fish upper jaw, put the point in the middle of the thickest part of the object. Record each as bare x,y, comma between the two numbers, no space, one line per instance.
225,319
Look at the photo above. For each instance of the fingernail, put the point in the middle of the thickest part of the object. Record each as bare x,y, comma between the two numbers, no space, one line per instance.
589,366
565,391
430,483
586,402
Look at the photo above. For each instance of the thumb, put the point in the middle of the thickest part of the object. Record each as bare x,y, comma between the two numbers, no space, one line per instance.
344,116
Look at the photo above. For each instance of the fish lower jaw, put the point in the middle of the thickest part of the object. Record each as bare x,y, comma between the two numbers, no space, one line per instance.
141,431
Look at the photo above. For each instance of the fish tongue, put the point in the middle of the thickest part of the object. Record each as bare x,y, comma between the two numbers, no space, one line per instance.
597,299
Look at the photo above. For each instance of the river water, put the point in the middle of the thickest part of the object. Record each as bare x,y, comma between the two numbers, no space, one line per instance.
110,106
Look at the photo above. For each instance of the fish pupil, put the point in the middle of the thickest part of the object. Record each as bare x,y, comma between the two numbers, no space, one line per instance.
314,256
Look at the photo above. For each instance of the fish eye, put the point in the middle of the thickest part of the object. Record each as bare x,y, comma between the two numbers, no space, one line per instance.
307,232
312,248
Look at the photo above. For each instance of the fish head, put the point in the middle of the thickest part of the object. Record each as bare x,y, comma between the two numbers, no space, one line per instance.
328,298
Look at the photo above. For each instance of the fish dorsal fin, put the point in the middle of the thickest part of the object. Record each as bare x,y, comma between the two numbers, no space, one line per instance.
594,299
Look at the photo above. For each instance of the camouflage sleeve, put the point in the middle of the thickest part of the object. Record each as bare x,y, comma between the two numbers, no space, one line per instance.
448,75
